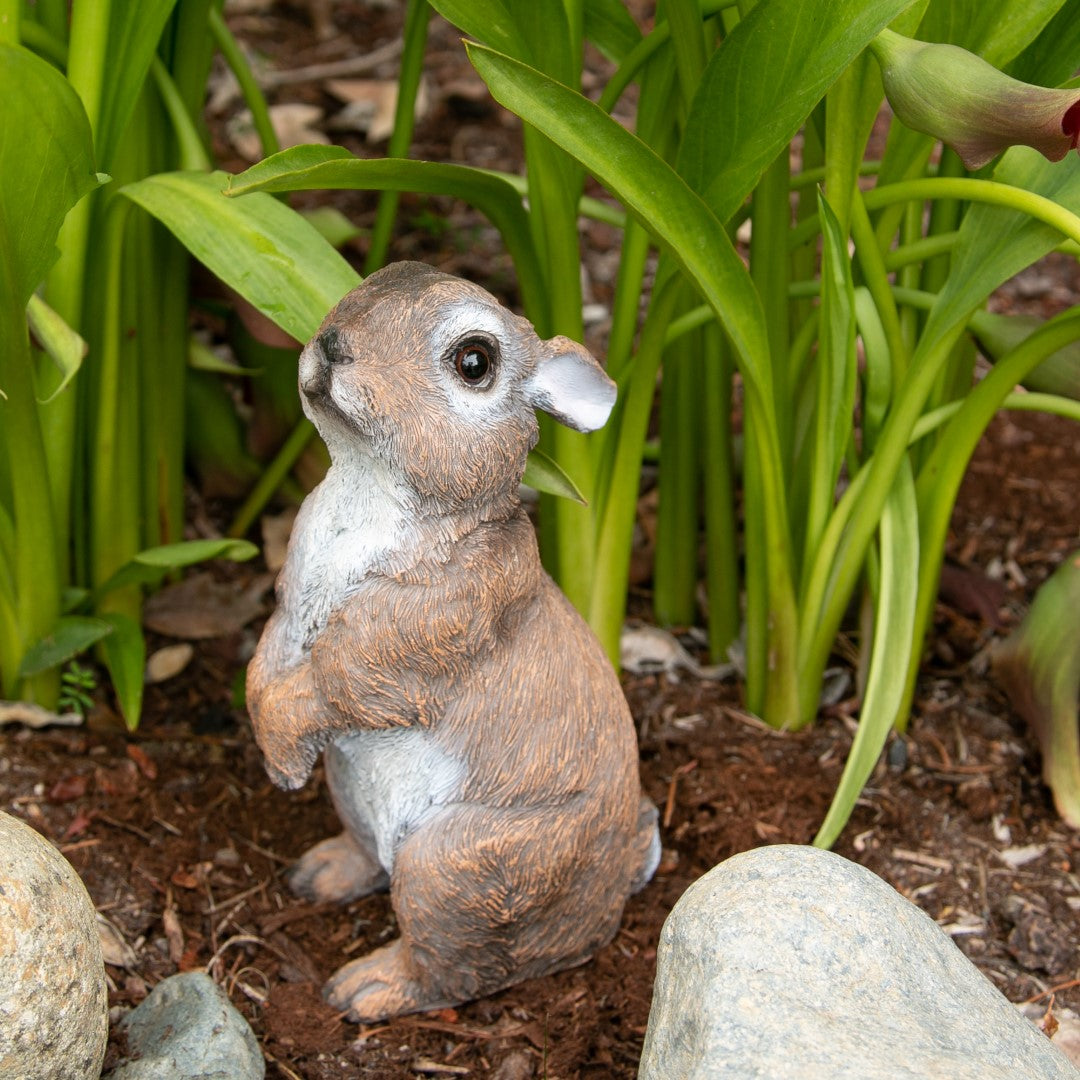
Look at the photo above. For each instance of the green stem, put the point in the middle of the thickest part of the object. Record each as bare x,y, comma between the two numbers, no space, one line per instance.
273,476
249,85
839,559
675,571
616,525
36,565
991,192
718,470
417,16
875,274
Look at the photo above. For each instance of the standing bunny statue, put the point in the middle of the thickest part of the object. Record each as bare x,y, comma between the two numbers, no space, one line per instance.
478,748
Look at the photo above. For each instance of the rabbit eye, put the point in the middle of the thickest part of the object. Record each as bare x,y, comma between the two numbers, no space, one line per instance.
473,362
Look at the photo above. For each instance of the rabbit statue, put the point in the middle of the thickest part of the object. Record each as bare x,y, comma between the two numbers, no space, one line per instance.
478,748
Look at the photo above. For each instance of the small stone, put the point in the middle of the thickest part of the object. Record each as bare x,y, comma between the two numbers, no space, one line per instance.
54,1018
791,962
168,661
187,1029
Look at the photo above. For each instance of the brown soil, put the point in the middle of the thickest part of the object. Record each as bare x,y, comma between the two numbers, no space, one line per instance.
182,841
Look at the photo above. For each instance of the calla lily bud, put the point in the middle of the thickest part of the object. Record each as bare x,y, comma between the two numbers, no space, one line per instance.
959,98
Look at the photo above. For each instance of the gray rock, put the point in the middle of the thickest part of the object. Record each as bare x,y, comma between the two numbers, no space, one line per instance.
791,962
187,1029
54,1018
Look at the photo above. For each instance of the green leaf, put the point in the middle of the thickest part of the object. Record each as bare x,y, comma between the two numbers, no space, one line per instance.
1039,667
60,342
651,190
46,161
307,168
332,225
150,565
611,28
202,358
835,378
258,246
488,21
112,45
546,475
72,635
997,31
894,635
1051,58
999,334
124,653
763,83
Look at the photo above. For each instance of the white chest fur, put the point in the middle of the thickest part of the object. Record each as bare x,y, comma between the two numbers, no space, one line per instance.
386,783
356,521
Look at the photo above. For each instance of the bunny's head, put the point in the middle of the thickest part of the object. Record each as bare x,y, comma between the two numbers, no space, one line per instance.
433,378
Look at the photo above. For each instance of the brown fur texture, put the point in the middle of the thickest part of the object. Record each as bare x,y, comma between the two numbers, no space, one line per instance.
479,748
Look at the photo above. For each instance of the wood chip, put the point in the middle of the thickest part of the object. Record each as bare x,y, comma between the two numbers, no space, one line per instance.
434,1068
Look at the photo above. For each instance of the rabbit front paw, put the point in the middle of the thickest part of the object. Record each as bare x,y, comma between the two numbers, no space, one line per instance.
337,870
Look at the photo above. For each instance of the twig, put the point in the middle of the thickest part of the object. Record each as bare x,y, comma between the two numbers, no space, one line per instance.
1053,990
142,833
220,905
669,806
281,1065
262,851
333,69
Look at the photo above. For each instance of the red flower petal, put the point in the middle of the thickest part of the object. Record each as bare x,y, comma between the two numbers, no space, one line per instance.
1070,122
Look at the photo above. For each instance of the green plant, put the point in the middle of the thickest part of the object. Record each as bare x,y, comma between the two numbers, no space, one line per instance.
92,405
1039,667
723,90
853,372
77,683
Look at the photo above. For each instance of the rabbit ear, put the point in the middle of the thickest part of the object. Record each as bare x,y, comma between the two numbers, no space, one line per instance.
570,385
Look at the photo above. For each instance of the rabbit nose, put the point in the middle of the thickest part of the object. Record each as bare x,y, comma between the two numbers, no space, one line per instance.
334,347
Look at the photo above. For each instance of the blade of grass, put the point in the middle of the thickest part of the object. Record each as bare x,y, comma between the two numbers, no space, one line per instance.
893,642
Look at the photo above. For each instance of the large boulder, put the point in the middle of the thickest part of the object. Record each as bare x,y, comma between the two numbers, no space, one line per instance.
54,1005
792,962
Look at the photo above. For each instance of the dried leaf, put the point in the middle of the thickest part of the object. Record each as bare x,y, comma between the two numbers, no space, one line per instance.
276,530
370,106
174,933
146,764
1021,856
200,607
647,650
69,788
34,716
293,123
115,951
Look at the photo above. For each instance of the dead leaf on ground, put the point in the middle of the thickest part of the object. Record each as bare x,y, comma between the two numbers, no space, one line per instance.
276,530
293,123
115,951
200,607
370,106
34,716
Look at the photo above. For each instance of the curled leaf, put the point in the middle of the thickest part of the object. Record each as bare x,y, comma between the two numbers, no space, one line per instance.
1039,667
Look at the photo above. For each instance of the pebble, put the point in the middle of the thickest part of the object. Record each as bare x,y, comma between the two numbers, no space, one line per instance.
54,1018
187,1029
792,963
